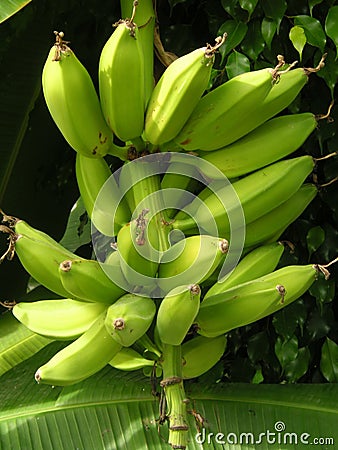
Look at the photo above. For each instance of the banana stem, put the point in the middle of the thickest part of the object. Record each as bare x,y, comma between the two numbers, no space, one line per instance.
176,401
119,152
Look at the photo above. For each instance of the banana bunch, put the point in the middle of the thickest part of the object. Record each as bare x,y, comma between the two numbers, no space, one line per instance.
177,279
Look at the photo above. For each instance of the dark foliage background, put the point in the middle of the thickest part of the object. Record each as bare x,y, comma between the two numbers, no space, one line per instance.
37,179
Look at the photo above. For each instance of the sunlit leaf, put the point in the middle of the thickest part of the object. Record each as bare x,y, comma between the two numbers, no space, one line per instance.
17,343
313,30
329,361
116,410
237,63
298,39
10,7
331,28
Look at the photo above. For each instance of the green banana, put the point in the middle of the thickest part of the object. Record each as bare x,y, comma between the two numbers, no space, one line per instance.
91,174
177,93
177,180
128,359
137,245
99,190
274,223
121,81
253,300
73,103
200,354
22,227
139,181
86,280
289,85
257,193
266,144
82,358
190,261
258,262
145,18
177,312
224,115
41,260
129,318
58,319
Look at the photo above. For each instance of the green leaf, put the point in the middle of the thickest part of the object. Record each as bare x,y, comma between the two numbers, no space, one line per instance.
10,7
19,90
78,229
237,63
313,30
313,3
258,377
17,343
329,361
115,410
298,39
268,30
331,28
258,346
230,6
314,239
248,5
298,367
323,290
330,71
287,319
254,43
274,9
286,350
236,32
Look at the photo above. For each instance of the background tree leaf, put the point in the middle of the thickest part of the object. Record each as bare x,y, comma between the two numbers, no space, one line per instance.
9,8
329,361
298,39
248,5
237,63
331,26
313,3
314,238
268,30
236,32
274,9
313,30
330,71
253,44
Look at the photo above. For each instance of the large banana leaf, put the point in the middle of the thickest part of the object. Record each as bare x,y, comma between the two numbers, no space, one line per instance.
115,410
10,7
